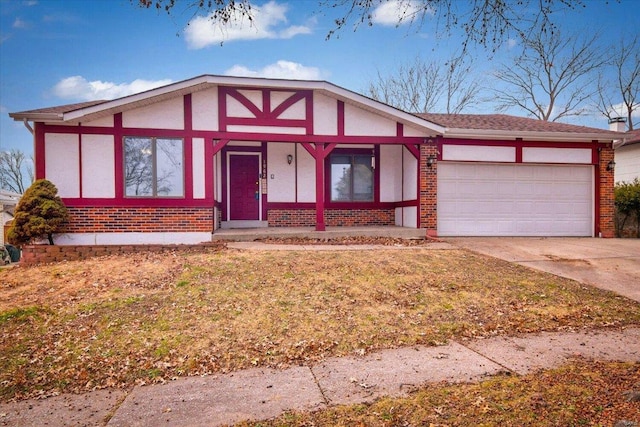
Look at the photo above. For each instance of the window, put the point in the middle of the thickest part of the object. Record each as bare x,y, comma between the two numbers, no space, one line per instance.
351,177
153,167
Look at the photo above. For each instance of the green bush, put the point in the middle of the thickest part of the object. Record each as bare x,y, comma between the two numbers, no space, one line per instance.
39,214
627,200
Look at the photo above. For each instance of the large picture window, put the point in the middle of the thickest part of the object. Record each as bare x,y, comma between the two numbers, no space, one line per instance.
153,167
352,177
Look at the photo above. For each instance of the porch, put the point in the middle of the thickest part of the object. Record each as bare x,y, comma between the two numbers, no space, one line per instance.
251,234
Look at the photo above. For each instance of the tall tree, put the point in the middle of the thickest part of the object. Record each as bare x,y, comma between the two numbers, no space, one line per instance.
421,86
16,171
620,97
550,77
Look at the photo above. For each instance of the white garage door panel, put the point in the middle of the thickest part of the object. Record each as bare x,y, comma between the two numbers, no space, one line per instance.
480,199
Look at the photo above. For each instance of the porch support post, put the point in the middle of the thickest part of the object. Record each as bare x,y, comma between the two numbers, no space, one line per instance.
320,152
413,149
212,149
217,146
320,226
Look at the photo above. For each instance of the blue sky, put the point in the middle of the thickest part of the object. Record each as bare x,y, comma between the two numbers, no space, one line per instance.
55,52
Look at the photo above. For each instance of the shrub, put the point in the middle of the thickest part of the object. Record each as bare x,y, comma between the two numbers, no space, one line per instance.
627,200
39,214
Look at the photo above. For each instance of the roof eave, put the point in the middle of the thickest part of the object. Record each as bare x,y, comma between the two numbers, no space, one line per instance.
528,135
37,117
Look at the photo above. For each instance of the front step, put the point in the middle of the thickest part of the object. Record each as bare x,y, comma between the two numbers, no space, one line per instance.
249,235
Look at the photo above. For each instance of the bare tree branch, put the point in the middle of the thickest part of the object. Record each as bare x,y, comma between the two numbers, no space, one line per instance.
621,98
13,167
485,22
550,78
427,87
222,11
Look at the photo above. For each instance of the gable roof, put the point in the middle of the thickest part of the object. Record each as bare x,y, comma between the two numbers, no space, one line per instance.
478,126
74,113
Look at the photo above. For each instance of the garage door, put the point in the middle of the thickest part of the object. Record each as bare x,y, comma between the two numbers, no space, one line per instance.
480,199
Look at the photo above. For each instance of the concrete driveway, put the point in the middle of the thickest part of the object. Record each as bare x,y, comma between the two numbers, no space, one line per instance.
611,264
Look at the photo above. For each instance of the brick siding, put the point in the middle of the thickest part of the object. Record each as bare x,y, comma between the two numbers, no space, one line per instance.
41,254
428,190
607,196
333,217
130,219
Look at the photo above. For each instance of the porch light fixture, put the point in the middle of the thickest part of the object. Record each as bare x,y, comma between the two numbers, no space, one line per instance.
431,160
289,158
611,165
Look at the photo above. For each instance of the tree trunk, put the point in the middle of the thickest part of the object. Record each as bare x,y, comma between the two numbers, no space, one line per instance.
50,237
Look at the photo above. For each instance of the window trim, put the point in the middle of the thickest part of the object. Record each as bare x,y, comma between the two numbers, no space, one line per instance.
154,163
375,152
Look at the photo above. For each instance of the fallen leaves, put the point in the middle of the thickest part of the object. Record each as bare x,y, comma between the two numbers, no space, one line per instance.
579,393
148,317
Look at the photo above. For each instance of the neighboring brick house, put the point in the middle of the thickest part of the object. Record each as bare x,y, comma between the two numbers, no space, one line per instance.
176,163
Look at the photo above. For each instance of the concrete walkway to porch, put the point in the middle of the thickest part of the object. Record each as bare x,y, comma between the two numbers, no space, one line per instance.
252,234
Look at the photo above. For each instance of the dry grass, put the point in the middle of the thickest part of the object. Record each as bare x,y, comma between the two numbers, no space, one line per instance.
579,394
146,318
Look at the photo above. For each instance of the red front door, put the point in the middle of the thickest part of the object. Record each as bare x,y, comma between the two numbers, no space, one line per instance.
244,187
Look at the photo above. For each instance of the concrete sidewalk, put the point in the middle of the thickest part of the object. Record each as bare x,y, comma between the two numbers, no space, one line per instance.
258,394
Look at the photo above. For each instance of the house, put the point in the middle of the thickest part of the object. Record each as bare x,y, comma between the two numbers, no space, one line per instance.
177,163
8,202
627,157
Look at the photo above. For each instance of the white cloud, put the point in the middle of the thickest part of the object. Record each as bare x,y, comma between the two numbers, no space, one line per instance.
79,88
280,70
64,18
620,110
3,109
293,31
19,23
203,31
397,12
31,2
511,43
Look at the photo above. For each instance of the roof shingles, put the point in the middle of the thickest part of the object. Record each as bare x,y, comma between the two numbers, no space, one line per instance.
503,122
61,109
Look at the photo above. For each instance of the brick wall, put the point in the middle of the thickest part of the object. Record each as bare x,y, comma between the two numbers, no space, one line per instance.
40,254
135,219
607,196
333,217
428,190
291,217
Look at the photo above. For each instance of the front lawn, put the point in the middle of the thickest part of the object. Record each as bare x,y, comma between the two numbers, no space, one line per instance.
580,393
149,317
